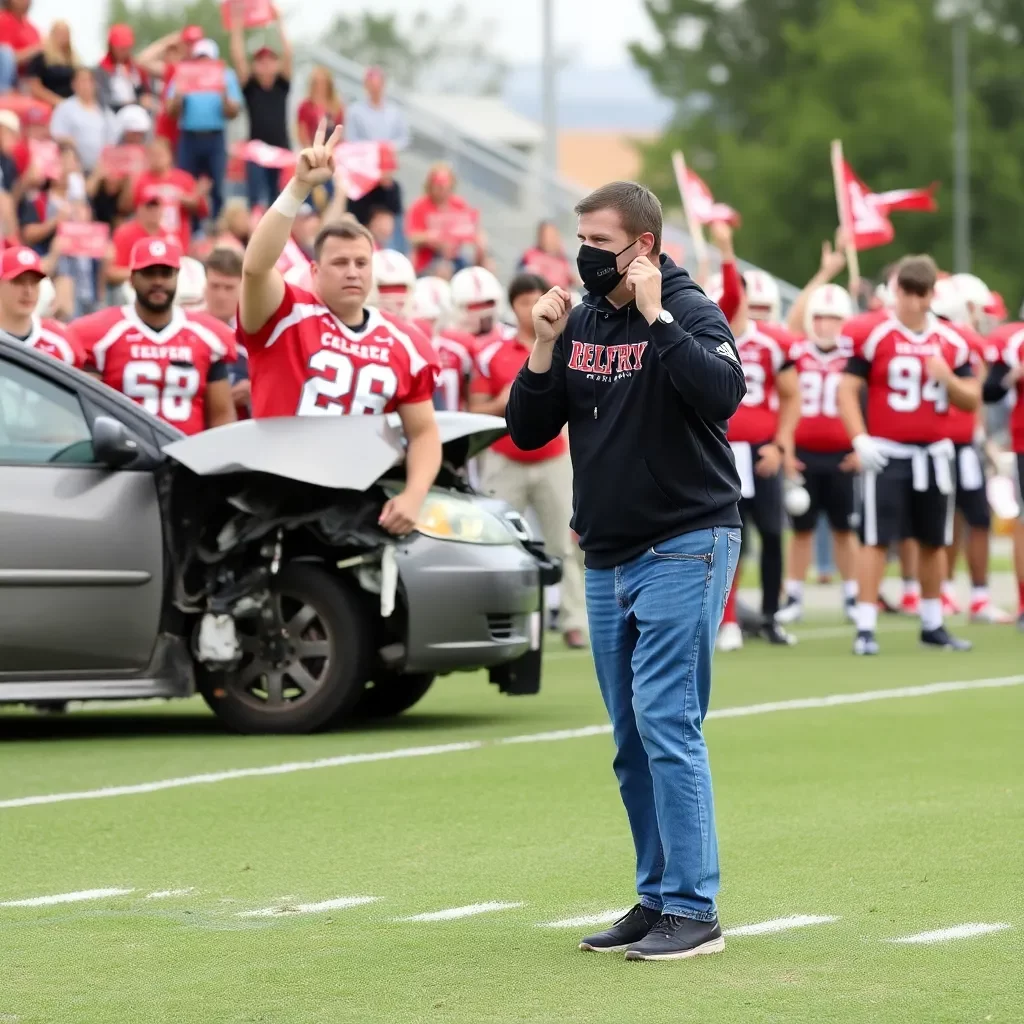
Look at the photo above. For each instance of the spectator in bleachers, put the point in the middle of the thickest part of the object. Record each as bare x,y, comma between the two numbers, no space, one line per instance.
37,217
203,118
76,279
121,79
265,82
322,102
145,224
181,196
13,151
223,287
440,225
159,60
20,42
51,71
376,118
83,121
234,226
547,258
381,224
110,194
386,195
133,125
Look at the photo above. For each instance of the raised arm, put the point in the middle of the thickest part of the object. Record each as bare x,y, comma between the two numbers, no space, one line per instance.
154,57
262,285
237,45
287,53
832,262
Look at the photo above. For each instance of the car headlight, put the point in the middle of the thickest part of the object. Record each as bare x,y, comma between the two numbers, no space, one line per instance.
447,517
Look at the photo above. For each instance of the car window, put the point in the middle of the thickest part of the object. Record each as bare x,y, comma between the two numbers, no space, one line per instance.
40,422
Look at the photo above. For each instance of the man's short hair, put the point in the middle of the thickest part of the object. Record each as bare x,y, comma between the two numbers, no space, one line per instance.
916,275
637,206
225,261
345,227
524,284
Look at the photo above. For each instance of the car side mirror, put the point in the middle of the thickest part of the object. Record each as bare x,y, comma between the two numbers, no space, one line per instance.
112,443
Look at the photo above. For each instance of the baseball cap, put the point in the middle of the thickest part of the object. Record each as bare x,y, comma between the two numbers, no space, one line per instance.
264,51
155,252
191,34
149,194
206,48
121,35
133,118
20,260
10,120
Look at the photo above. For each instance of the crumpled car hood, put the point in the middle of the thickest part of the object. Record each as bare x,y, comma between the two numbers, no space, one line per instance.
348,452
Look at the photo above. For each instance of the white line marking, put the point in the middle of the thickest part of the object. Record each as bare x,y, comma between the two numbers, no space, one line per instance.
342,903
453,912
960,931
801,704
605,917
780,924
166,894
67,897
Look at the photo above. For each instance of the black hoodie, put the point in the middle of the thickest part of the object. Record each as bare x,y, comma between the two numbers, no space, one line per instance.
647,408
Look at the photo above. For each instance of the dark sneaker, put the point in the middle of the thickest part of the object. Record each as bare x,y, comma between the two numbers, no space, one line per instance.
943,640
678,938
865,643
629,928
775,634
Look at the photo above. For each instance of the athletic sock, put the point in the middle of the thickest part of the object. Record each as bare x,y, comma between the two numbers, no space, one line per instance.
795,590
931,613
979,595
911,588
850,589
867,617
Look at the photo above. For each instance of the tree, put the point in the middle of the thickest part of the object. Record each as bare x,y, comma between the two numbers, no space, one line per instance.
780,78
154,20
446,54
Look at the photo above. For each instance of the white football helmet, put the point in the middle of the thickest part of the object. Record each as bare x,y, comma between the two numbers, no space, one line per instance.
432,300
763,299
949,301
886,293
830,300
191,290
394,281
47,297
477,298
977,296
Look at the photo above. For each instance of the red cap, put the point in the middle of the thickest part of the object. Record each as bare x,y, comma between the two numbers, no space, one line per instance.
155,252
264,51
20,260
121,35
149,194
191,34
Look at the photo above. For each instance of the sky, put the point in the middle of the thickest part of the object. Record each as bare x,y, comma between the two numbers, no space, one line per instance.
593,41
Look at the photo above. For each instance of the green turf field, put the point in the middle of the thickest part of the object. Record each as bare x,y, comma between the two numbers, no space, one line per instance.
894,817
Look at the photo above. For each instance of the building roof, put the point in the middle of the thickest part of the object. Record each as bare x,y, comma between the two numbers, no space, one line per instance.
487,118
591,158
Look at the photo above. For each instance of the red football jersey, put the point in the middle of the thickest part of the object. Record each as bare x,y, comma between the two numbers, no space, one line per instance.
166,372
963,424
820,429
764,352
456,351
1006,345
53,338
305,362
905,404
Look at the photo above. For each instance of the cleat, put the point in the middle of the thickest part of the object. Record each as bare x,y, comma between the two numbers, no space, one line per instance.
678,938
791,611
886,606
730,637
775,634
865,644
986,611
629,928
941,639
911,604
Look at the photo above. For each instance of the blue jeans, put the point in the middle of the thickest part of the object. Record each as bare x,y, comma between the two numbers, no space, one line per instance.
653,625
204,154
261,185
8,71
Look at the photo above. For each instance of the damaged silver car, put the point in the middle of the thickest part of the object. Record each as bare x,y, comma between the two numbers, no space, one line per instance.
245,563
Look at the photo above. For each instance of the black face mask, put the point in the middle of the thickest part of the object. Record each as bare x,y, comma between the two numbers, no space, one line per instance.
599,268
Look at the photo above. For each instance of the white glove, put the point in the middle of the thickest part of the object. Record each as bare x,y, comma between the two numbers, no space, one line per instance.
872,458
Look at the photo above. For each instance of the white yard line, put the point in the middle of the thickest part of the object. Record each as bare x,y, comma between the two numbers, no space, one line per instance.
800,704
455,912
342,903
166,894
67,897
959,931
605,917
780,924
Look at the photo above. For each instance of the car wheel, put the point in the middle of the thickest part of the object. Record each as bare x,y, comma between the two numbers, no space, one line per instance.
390,694
319,675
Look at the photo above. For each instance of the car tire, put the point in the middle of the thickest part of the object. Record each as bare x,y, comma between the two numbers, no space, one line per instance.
342,674
390,694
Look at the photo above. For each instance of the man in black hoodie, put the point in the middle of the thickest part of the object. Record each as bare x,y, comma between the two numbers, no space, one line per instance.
646,374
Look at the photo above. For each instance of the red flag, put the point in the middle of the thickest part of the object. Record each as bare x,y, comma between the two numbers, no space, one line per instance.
868,212
701,203
358,166
256,152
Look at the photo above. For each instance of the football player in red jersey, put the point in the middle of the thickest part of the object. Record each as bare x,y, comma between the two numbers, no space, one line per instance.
761,436
21,272
324,353
825,459
914,367
1006,374
431,305
171,362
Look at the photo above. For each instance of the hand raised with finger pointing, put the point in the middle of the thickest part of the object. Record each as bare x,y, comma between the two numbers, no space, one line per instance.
316,162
